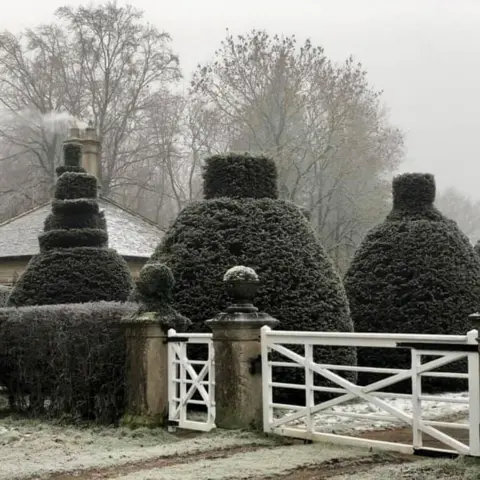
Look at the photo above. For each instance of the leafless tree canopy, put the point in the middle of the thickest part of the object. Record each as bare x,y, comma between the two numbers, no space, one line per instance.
323,123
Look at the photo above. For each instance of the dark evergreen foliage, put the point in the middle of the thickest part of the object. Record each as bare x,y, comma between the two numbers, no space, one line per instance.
414,273
4,293
299,285
153,293
240,176
74,265
65,361
78,237
75,221
72,185
477,247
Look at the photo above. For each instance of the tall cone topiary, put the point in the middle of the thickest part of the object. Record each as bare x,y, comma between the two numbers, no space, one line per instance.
74,264
242,222
414,273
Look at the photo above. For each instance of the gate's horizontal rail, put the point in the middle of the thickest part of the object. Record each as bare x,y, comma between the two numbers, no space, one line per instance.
386,340
351,368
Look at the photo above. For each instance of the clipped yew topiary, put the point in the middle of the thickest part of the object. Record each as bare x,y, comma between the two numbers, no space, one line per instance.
4,293
74,264
242,222
477,247
414,273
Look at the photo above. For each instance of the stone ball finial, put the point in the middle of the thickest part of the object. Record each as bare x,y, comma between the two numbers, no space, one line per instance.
241,283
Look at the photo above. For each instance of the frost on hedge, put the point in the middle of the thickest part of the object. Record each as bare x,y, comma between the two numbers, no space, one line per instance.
65,361
414,273
74,264
477,248
242,222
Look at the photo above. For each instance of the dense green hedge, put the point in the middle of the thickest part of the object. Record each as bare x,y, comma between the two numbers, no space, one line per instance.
74,264
299,285
240,176
65,361
414,273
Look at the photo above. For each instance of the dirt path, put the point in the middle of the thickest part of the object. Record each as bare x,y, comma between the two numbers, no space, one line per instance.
39,451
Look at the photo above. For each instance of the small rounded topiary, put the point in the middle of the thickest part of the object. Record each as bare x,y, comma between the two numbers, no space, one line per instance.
153,293
414,273
243,223
155,282
74,264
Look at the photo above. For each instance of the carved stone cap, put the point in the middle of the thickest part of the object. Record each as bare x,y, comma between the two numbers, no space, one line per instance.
242,321
475,319
174,320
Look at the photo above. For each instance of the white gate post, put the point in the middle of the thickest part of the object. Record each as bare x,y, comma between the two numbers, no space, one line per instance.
474,391
237,346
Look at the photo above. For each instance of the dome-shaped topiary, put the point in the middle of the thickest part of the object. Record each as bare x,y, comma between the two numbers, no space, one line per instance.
477,247
74,264
414,273
299,284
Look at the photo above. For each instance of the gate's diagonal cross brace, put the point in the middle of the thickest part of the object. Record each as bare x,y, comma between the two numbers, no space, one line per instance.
362,392
196,386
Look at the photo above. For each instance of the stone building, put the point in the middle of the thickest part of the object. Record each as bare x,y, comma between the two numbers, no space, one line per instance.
133,236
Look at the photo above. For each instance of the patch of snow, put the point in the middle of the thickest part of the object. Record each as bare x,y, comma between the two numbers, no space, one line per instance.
343,418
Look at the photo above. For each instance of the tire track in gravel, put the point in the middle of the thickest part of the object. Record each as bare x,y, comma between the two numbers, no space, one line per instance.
113,472
342,466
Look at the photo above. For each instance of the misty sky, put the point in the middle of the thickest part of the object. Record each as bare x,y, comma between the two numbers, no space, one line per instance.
424,54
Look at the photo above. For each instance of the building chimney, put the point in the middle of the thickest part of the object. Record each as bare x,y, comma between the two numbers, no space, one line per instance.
91,152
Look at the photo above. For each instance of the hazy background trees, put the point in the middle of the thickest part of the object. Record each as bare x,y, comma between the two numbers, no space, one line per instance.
324,124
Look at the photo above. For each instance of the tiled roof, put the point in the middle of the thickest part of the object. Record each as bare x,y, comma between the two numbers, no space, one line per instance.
130,234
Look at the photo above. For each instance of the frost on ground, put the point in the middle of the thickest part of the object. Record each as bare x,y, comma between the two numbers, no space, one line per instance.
260,463
438,469
343,418
31,448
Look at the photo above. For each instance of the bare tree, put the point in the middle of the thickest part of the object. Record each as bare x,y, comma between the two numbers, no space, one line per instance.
323,123
98,62
461,208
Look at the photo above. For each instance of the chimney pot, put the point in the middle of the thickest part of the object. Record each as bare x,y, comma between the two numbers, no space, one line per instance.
74,132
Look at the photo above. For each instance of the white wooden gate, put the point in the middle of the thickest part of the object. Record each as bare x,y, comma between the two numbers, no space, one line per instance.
189,378
307,421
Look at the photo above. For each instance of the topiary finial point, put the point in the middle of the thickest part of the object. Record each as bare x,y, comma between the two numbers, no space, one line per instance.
237,175
413,190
